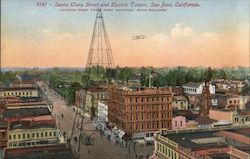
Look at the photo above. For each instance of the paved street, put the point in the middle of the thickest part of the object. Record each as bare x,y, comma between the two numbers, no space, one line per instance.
102,147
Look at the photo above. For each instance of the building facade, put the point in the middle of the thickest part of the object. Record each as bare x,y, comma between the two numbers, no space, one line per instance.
140,110
19,92
92,96
180,103
35,131
196,88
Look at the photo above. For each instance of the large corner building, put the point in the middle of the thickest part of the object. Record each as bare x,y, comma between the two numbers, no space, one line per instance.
140,109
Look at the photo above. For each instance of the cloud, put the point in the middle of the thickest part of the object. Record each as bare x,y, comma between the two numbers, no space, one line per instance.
180,31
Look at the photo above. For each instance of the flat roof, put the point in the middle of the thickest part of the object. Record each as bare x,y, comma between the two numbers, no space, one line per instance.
3,123
192,84
219,156
185,140
16,88
37,111
242,131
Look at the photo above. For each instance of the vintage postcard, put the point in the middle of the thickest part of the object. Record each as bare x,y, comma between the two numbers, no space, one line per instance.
125,79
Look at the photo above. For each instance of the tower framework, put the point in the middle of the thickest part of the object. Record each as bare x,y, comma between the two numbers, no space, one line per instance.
100,52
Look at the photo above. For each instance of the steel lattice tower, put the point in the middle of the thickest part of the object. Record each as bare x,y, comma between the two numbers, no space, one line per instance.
100,53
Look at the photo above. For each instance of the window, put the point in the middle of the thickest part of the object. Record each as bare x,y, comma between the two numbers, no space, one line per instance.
37,134
136,117
162,99
14,136
131,117
131,108
9,137
54,133
162,115
181,123
148,116
136,100
162,107
33,135
24,136
50,133
41,134
28,135
142,116
136,107
19,136
142,126
157,125
142,107
142,99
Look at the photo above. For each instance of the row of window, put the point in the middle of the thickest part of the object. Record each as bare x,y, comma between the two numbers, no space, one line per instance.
29,144
177,124
32,135
148,99
166,151
150,107
190,89
150,125
234,101
17,93
152,115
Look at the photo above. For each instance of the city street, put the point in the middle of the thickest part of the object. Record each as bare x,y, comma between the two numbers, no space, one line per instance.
102,148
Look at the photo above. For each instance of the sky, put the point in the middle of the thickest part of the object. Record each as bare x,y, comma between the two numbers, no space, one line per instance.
214,34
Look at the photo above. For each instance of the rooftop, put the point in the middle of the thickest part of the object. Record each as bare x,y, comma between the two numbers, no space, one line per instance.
204,121
3,123
197,140
192,84
244,132
179,98
16,88
45,121
187,113
220,156
22,112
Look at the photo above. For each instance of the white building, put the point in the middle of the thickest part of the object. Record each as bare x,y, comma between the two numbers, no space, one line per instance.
102,111
196,88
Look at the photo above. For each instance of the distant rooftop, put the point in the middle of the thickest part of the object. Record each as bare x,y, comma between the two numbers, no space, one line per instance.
179,98
192,84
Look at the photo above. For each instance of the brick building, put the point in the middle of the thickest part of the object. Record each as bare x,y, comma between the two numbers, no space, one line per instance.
140,109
